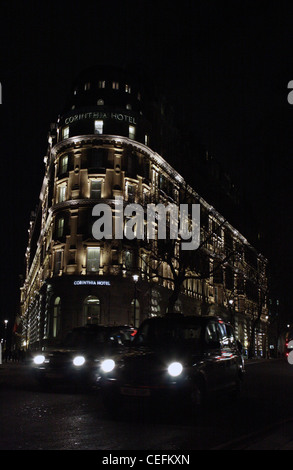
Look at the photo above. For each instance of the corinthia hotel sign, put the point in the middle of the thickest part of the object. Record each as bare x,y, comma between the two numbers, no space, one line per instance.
88,282
100,115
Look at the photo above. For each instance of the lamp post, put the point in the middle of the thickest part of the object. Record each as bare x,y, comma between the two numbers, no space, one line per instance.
231,310
5,339
135,279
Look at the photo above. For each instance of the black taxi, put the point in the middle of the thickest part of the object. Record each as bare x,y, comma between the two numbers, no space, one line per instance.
76,359
191,356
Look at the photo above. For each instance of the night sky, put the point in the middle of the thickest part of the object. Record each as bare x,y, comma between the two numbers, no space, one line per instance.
224,65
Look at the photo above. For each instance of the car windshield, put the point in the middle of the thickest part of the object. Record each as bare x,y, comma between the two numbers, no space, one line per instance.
81,338
163,332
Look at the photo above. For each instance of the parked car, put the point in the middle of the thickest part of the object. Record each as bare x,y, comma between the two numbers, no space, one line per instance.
173,356
76,359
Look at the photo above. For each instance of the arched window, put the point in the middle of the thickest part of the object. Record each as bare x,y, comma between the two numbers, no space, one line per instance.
56,317
91,310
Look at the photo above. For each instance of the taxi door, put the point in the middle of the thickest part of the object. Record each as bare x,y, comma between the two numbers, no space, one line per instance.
229,354
213,360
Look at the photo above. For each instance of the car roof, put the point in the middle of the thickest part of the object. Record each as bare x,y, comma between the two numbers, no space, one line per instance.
90,327
179,317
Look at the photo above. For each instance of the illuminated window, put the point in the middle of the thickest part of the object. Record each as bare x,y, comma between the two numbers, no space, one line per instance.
60,227
146,139
64,164
93,259
96,189
128,106
99,127
102,84
115,85
100,102
144,264
132,132
56,317
127,88
62,193
65,132
128,260
87,86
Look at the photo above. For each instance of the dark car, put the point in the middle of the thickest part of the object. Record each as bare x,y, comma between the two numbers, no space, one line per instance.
191,356
76,359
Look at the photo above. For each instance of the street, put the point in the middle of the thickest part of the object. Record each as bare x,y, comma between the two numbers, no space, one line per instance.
61,419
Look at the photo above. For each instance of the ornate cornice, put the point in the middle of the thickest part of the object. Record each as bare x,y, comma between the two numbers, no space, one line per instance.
121,142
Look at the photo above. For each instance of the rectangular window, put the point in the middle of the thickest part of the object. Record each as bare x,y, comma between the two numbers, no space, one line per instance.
146,139
57,262
93,259
96,189
99,127
144,264
115,85
60,227
128,260
65,132
87,86
64,164
102,83
132,132
131,192
62,193
127,88
114,257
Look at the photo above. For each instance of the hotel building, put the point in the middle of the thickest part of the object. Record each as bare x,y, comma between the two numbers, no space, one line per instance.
113,140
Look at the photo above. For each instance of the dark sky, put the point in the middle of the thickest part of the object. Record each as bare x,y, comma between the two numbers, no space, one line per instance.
225,65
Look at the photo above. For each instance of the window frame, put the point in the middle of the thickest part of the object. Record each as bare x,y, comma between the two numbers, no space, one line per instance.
93,265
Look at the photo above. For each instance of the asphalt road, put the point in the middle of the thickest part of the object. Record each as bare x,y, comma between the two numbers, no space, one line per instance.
65,419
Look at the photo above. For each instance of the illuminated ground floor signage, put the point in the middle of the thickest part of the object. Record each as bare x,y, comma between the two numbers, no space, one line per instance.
91,283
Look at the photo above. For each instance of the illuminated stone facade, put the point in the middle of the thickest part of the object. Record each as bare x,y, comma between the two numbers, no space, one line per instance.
106,144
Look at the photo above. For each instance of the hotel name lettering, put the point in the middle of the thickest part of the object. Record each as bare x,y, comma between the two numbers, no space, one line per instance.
100,115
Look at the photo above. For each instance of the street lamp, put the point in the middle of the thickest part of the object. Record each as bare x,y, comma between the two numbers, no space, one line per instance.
5,338
135,279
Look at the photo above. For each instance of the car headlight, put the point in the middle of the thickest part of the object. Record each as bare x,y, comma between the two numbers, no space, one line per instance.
79,361
39,359
175,369
108,365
